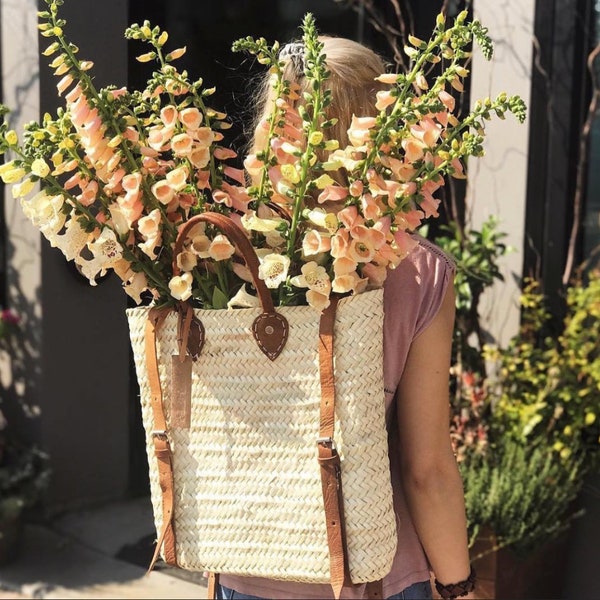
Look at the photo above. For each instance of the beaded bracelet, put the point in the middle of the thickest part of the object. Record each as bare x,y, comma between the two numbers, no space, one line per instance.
454,590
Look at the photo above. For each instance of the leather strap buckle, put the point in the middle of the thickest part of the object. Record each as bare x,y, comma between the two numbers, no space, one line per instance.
160,433
328,442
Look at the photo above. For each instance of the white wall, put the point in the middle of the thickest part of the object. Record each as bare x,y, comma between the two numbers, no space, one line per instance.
498,181
19,371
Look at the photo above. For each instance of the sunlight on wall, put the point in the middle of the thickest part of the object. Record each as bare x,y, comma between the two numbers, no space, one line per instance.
498,181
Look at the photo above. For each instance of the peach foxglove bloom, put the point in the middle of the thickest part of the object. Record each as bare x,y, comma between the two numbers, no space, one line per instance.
163,191
221,248
356,188
389,78
205,136
242,271
149,228
191,118
158,137
361,252
359,133
384,99
376,274
343,284
317,300
404,243
427,131
314,277
340,243
414,149
135,286
344,265
349,217
315,242
447,100
200,245
187,260
118,219
168,115
370,208
177,178
199,157
181,286
273,239
181,144
224,153
273,269
332,193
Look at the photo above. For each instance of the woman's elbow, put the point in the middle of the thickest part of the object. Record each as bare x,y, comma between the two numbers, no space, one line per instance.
430,475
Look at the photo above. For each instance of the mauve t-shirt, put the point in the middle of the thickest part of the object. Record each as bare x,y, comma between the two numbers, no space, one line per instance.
413,295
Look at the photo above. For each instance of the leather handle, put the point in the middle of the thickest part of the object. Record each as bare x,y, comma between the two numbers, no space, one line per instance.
270,329
240,241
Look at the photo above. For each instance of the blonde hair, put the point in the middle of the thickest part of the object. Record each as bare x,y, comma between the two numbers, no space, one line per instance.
353,69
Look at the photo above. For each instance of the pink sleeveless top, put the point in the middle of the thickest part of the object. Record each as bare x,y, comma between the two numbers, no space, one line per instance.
413,294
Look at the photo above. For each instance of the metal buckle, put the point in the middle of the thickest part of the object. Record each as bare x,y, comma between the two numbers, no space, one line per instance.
160,433
329,442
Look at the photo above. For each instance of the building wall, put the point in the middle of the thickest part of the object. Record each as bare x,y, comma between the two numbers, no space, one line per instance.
497,182
75,372
20,368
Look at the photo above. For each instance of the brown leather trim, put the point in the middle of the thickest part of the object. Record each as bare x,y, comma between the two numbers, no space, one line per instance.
270,330
162,448
270,344
329,459
213,582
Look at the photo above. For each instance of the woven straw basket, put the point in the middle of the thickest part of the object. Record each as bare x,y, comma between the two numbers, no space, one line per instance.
248,497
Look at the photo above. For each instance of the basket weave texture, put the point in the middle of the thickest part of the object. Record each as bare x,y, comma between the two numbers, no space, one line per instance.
248,496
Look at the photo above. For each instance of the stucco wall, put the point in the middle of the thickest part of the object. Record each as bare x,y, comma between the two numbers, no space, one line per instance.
498,181
75,369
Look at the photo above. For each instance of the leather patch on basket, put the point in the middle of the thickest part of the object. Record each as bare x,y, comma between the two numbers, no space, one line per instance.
181,391
270,331
196,338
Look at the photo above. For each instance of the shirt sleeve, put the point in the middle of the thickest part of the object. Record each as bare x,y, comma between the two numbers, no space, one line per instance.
413,295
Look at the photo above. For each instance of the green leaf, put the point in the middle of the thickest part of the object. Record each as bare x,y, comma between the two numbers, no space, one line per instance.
219,299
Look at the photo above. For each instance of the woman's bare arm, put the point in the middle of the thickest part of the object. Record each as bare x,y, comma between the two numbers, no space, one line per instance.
431,481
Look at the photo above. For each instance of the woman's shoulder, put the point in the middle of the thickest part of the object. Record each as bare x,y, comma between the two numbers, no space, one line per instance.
415,289
426,255
425,265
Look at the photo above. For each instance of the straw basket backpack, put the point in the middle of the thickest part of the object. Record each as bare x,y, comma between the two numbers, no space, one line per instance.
266,434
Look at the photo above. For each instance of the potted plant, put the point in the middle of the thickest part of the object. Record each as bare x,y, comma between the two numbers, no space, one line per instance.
525,438
24,470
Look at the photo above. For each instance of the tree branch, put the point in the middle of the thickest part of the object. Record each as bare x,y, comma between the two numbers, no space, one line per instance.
581,166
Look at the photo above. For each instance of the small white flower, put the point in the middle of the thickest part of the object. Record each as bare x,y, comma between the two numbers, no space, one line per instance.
314,277
181,286
253,223
273,269
243,299
106,248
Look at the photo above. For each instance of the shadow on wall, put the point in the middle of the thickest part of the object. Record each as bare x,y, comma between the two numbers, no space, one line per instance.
20,365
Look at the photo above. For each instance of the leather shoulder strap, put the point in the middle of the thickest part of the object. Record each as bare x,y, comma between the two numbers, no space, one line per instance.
162,447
